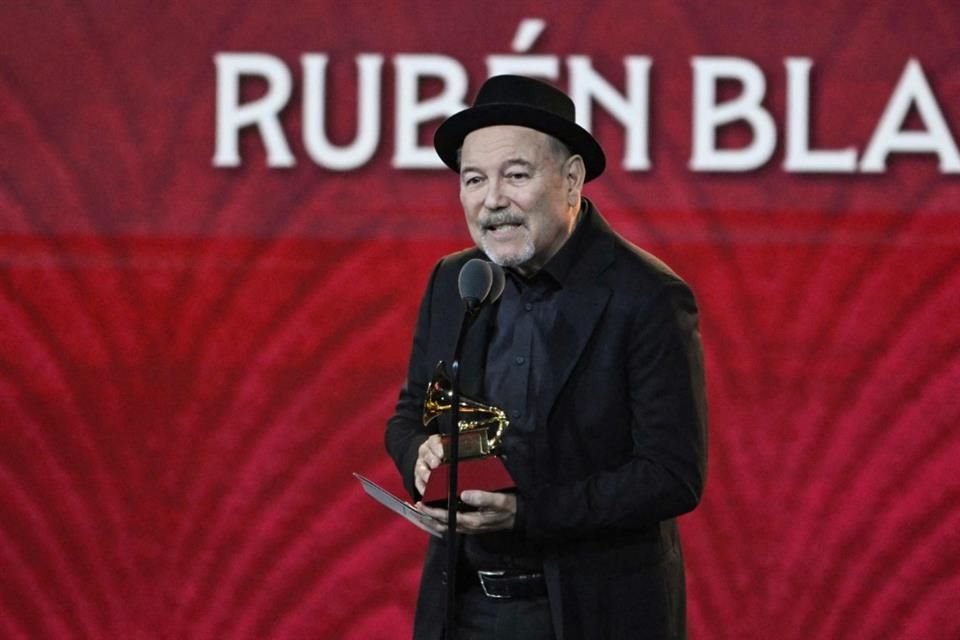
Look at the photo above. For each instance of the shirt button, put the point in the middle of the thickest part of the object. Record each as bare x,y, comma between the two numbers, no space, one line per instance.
515,413
519,359
528,306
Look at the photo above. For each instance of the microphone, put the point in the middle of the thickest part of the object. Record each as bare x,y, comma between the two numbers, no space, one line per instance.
475,281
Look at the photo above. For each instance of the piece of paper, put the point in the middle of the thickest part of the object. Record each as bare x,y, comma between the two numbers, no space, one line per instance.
398,506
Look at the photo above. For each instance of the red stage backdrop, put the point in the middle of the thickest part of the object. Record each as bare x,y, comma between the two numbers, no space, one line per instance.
216,220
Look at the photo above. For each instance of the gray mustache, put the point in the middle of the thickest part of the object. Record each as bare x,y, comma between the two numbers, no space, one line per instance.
501,218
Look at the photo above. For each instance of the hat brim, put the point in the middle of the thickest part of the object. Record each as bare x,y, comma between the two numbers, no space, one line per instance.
449,136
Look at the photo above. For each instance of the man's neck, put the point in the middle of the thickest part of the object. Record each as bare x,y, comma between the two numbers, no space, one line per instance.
528,271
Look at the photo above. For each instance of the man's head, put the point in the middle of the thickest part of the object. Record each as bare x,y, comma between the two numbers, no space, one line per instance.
520,191
522,161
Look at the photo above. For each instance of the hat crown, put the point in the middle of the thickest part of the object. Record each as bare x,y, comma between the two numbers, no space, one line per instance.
521,90
524,102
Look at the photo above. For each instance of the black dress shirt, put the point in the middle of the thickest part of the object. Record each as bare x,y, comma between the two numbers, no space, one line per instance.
516,358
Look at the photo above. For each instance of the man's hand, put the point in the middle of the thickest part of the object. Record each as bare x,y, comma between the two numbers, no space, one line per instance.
429,457
495,512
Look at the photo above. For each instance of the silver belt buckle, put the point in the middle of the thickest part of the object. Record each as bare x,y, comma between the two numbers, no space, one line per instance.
483,575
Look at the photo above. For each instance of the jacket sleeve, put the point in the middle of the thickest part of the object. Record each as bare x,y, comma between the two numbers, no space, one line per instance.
664,474
405,431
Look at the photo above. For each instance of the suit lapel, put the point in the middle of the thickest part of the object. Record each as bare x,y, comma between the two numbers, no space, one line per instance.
582,301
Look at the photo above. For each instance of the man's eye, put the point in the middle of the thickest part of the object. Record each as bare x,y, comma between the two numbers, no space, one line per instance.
471,180
518,175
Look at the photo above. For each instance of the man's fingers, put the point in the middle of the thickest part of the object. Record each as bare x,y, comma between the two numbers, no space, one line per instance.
439,514
431,459
496,512
436,524
485,499
421,475
431,452
434,454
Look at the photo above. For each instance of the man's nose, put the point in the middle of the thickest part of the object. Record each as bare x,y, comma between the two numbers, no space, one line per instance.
494,199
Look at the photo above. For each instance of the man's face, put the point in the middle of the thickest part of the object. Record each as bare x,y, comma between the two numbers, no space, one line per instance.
520,196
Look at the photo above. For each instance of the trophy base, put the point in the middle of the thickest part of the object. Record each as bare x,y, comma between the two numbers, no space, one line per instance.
484,474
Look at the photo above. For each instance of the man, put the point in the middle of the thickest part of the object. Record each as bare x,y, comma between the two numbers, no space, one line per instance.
593,351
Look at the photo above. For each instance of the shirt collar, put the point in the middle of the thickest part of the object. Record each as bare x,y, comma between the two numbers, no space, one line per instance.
558,267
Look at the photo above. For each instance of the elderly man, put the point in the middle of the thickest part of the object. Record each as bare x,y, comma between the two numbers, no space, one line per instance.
593,351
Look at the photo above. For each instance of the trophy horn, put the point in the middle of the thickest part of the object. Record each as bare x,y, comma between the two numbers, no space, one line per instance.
481,425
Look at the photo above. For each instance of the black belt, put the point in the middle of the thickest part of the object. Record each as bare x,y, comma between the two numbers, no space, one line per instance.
502,584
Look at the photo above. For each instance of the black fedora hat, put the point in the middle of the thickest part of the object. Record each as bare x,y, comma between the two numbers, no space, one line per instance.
525,102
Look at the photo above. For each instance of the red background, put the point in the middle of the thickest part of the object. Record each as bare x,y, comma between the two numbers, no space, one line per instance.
193,359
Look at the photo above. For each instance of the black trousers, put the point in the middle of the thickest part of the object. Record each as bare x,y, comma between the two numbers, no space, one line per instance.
482,618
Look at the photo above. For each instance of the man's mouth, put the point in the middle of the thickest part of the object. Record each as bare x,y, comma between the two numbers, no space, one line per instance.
508,224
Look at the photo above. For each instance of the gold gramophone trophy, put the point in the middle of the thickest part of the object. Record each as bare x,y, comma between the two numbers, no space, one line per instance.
481,428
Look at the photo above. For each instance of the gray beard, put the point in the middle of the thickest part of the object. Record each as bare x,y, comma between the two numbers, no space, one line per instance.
514,260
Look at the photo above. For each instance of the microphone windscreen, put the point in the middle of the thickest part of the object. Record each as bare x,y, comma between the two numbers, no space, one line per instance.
475,281
499,282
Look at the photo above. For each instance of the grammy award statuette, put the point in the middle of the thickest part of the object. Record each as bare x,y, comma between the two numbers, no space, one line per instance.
481,428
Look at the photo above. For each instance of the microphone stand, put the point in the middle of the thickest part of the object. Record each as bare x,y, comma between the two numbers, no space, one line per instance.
452,491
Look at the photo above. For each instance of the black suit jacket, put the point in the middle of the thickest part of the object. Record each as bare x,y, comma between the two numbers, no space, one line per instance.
621,453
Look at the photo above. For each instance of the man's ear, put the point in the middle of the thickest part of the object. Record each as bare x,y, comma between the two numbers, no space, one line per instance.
574,173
